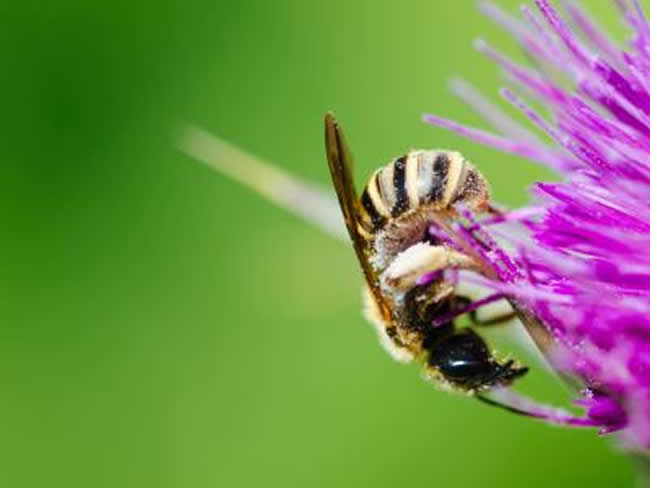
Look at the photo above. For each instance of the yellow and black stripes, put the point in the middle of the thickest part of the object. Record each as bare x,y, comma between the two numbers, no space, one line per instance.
402,202
417,178
372,210
436,190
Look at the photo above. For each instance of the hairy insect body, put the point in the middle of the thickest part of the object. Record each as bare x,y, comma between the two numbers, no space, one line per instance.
401,200
420,179
398,205
389,225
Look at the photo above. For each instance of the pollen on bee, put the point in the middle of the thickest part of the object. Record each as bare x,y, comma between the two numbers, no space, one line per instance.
373,315
421,258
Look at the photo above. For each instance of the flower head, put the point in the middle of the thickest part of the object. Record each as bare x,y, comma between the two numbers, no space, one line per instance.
582,265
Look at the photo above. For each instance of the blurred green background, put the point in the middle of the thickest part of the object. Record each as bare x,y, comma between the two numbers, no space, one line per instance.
161,325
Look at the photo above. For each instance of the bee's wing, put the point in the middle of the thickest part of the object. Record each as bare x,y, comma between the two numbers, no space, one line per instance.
340,163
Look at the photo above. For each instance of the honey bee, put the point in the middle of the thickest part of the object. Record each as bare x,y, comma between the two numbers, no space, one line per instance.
389,228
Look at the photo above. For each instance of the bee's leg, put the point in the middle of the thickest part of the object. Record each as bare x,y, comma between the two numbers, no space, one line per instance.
464,303
419,260
498,320
504,406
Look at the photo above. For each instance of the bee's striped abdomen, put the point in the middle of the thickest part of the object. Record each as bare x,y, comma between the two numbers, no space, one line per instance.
373,215
417,178
434,191
401,203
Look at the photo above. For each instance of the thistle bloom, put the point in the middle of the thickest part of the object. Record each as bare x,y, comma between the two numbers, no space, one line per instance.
580,263
576,263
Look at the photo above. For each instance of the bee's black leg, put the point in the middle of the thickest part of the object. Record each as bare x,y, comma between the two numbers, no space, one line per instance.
499,319
509,408
463,301
506,372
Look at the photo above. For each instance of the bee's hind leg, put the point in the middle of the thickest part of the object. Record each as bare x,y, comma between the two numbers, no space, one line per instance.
418,260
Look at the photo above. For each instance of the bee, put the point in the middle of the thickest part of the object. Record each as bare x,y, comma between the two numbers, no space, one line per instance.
389,229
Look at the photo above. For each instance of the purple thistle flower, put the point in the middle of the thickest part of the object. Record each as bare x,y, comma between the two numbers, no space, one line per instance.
578,261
